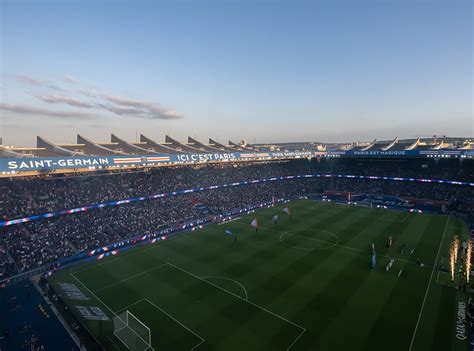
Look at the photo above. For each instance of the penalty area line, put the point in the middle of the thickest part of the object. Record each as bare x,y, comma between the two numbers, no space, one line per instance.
201,339
303,330
102,302
177,321
130,278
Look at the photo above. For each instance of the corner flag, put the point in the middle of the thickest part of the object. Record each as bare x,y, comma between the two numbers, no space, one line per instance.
275,219
254,223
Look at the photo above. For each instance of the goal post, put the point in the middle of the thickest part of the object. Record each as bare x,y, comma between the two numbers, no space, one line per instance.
132,332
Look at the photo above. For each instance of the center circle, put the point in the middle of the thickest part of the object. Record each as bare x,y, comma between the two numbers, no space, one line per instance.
326,239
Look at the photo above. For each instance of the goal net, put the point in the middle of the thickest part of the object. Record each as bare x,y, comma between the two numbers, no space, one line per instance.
132,332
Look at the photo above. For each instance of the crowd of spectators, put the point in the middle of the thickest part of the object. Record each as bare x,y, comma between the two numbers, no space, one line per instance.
27,246
28,196
34,195
429,168
429,191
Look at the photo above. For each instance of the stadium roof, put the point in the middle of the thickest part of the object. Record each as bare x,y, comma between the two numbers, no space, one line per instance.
118,146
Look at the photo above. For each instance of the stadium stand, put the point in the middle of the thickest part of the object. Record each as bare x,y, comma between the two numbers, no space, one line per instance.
38,243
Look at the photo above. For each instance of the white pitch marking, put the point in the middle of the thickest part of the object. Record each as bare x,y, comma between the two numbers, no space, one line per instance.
102,302
177,321
137,250
228,221
406,217
338,245
250,302
132,277
232,280
365,251
169,315
123,309
428,287
437,276
313,239
297,338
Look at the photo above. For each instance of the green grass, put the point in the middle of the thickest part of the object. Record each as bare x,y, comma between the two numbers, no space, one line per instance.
304,284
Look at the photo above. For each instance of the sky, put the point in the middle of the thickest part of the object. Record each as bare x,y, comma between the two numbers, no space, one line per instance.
264,71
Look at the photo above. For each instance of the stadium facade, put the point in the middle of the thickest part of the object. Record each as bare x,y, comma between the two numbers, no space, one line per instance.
87,155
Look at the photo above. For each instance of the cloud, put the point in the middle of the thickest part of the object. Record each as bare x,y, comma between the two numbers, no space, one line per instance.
92,94
54,87
118,105
119,100
64,100
38,82
30,80
122,111
171,114
30,110
149,110
122,106
70,79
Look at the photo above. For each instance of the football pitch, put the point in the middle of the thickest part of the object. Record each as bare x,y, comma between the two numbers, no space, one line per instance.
303,284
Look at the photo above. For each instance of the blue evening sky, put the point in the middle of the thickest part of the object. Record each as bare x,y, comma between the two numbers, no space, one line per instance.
260,70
